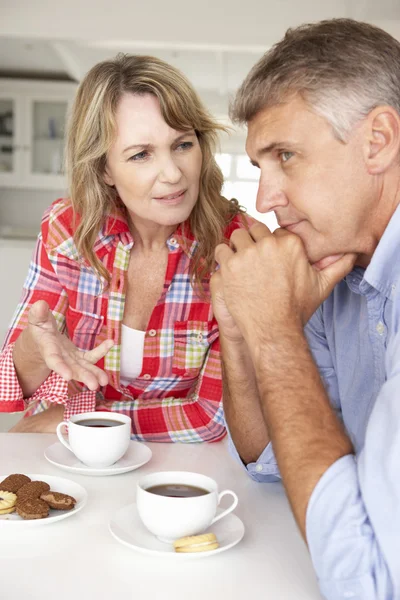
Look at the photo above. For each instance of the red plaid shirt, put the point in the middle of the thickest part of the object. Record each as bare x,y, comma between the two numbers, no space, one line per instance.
178,395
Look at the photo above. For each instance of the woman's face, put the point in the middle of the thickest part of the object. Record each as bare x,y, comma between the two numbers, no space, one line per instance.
154,168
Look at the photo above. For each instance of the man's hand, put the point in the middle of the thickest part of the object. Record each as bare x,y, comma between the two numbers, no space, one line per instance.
226,323
268,283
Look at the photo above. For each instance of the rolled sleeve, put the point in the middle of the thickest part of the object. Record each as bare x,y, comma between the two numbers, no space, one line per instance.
11,396
264,470
54,389
344,550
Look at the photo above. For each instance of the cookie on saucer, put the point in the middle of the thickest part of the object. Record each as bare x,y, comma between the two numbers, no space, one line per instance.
33,489
14,482
7,502
58,501
196,543
32,508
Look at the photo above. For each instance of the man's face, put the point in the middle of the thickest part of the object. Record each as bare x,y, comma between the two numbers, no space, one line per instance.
318,187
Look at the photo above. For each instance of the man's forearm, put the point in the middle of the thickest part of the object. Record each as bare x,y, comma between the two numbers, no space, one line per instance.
242,401
29,366
306,434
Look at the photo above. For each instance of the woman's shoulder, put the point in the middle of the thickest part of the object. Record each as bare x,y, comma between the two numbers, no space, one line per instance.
240,221
58,222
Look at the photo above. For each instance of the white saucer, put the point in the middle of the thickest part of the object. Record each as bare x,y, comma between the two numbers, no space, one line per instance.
127,528
137,455
57,484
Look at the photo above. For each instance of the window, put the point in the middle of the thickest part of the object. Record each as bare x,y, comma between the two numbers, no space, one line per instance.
241,182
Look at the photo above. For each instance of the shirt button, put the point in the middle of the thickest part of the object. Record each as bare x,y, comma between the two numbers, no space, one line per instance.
259,468
146,376
152,332
380,328
173,241
200,337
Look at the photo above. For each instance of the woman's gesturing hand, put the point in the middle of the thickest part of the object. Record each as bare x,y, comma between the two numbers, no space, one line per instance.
60,354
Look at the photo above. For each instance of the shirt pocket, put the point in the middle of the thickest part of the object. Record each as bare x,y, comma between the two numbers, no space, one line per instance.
83,328
192,340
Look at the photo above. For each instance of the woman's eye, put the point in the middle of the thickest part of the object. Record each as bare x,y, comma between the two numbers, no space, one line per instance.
185,145
139,156
284,156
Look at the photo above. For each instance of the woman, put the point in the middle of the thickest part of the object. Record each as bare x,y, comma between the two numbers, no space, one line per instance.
116,312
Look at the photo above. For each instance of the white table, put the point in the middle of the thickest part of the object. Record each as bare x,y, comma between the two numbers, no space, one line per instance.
77,558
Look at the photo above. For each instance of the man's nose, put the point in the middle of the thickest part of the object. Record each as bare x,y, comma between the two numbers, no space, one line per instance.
269,196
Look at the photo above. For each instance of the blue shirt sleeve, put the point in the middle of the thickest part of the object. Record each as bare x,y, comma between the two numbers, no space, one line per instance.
353,517
316,338
265,470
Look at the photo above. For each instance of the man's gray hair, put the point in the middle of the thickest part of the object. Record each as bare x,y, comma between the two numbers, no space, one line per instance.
342,68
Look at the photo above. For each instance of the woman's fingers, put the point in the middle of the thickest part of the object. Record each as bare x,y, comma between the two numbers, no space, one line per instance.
39,313
61,355
93,356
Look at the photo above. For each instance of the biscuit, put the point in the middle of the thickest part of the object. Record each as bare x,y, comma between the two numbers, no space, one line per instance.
33,489
32,508
7,502
58,501
196,543
14,482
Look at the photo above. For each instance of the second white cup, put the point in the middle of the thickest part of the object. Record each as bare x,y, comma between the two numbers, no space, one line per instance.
173,504
98,439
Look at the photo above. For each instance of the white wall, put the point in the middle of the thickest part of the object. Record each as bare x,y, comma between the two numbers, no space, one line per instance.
255,22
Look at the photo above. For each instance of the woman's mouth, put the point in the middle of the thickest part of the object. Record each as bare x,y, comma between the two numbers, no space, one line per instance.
175,198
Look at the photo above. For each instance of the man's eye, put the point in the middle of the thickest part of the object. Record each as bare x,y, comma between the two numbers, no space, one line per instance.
284,156
139,156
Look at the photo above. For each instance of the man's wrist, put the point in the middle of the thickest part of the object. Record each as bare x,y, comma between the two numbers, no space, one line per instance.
272,349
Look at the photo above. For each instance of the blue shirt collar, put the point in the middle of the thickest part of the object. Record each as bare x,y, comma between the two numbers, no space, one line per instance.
383,272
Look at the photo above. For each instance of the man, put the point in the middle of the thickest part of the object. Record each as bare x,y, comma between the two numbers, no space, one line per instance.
323,115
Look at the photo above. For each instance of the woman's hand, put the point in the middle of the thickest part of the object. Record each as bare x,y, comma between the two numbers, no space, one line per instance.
59,354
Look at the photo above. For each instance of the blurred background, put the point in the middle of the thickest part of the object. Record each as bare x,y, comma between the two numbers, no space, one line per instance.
47,47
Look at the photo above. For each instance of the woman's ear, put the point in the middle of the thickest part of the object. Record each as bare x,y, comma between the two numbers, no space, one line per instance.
107,177
382,147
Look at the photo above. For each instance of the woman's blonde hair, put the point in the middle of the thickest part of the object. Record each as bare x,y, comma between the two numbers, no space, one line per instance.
92,130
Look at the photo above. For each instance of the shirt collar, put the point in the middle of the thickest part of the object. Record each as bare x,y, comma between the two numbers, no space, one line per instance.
116,225
114,229
383,272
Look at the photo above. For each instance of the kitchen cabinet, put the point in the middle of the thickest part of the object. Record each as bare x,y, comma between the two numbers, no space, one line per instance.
32,123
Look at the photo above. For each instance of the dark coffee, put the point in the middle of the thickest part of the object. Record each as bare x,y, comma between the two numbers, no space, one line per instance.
177,490
99,423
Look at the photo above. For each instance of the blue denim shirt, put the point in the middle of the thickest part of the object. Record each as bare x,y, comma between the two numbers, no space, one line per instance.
353,517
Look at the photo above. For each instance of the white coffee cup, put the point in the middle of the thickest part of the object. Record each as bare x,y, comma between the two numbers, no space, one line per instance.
98,439
169,518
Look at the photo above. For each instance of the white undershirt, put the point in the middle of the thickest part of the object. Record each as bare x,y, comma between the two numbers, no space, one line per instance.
132,345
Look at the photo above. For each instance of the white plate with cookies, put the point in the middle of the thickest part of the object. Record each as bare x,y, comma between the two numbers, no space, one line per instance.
127,528
60,485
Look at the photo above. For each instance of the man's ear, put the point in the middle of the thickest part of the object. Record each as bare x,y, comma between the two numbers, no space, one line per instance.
382,146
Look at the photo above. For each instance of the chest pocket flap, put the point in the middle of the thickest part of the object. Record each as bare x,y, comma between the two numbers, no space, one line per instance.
192,340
